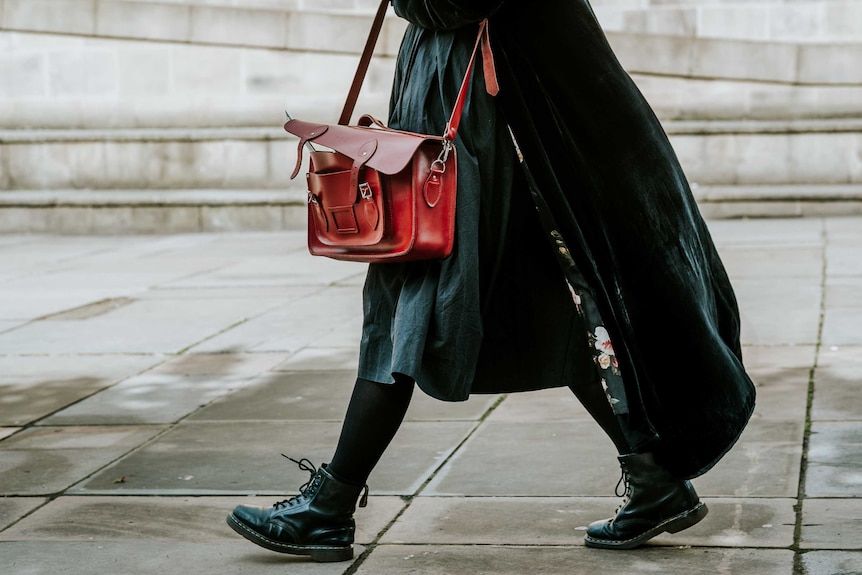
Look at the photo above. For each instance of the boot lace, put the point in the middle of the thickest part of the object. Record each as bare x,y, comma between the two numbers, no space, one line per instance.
626,489
305,465
313,482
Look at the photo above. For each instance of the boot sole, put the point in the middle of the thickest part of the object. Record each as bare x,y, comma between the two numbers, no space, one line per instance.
674,524
318,553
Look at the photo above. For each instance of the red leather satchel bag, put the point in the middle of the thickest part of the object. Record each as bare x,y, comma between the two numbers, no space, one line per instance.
379,195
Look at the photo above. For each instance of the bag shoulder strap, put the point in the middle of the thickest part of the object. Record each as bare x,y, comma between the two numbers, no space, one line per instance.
364,61
482,39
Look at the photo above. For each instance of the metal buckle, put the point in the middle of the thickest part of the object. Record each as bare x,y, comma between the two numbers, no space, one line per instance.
365,191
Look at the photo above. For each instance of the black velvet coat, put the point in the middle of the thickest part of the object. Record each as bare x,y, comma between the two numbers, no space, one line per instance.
605,167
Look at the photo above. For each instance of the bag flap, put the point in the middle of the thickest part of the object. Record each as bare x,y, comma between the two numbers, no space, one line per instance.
394,148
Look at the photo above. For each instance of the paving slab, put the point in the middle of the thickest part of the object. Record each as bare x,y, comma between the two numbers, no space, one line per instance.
33,387
22,305
283,397
7,325
294,325
37,252
513,560
237,246
14,508
155,558
323,358
49,460
531,459
122,270
832,563
324,395
844,259
842,326
843,292
209,458
836,385
769,231
834,459
563,521
290,268
224,364
831,524
149,326
281,294
842,229
754,469
764,308
771,357
148,399
773,261
555,404
186,519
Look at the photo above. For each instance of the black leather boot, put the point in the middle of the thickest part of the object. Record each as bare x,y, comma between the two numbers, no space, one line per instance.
654,502
317,522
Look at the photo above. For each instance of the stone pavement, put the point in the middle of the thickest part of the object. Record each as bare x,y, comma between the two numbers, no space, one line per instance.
149,383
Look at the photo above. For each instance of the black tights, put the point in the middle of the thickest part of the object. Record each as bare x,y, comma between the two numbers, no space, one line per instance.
376,411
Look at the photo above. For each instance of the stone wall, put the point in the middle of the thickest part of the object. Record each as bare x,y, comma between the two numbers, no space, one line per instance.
113,106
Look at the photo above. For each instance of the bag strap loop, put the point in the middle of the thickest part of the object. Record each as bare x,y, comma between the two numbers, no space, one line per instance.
483,40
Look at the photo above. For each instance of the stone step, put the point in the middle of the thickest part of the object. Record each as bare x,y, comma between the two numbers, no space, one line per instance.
732,152
184,211
83,64
812,21
150,211
718,202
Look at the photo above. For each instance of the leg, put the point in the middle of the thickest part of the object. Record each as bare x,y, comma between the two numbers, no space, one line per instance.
319,521
374,414
655,501
593,398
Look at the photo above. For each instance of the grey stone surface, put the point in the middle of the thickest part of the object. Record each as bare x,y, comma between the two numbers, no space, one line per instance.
514,560
296,325
831,524
836,395
323,395
147,326
563,521
844,292
832,563
835,459
49,460
148,399
32,387
555,404
283,397
498,484
531,459
769,232
14,508
764,305
310,358
754,469
155,558
187,519
773,262
841,326
243,457
223,364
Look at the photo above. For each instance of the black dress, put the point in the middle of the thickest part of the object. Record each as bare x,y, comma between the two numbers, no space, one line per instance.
498,315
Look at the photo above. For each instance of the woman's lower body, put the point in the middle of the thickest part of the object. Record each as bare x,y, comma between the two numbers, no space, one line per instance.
495,317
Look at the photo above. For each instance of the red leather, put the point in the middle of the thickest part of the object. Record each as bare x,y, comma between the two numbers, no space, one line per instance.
382,195
379,195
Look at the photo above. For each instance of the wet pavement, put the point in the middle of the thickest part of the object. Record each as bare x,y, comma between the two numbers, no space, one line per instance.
150,383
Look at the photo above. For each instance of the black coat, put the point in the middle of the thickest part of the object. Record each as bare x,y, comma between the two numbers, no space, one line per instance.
604,165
